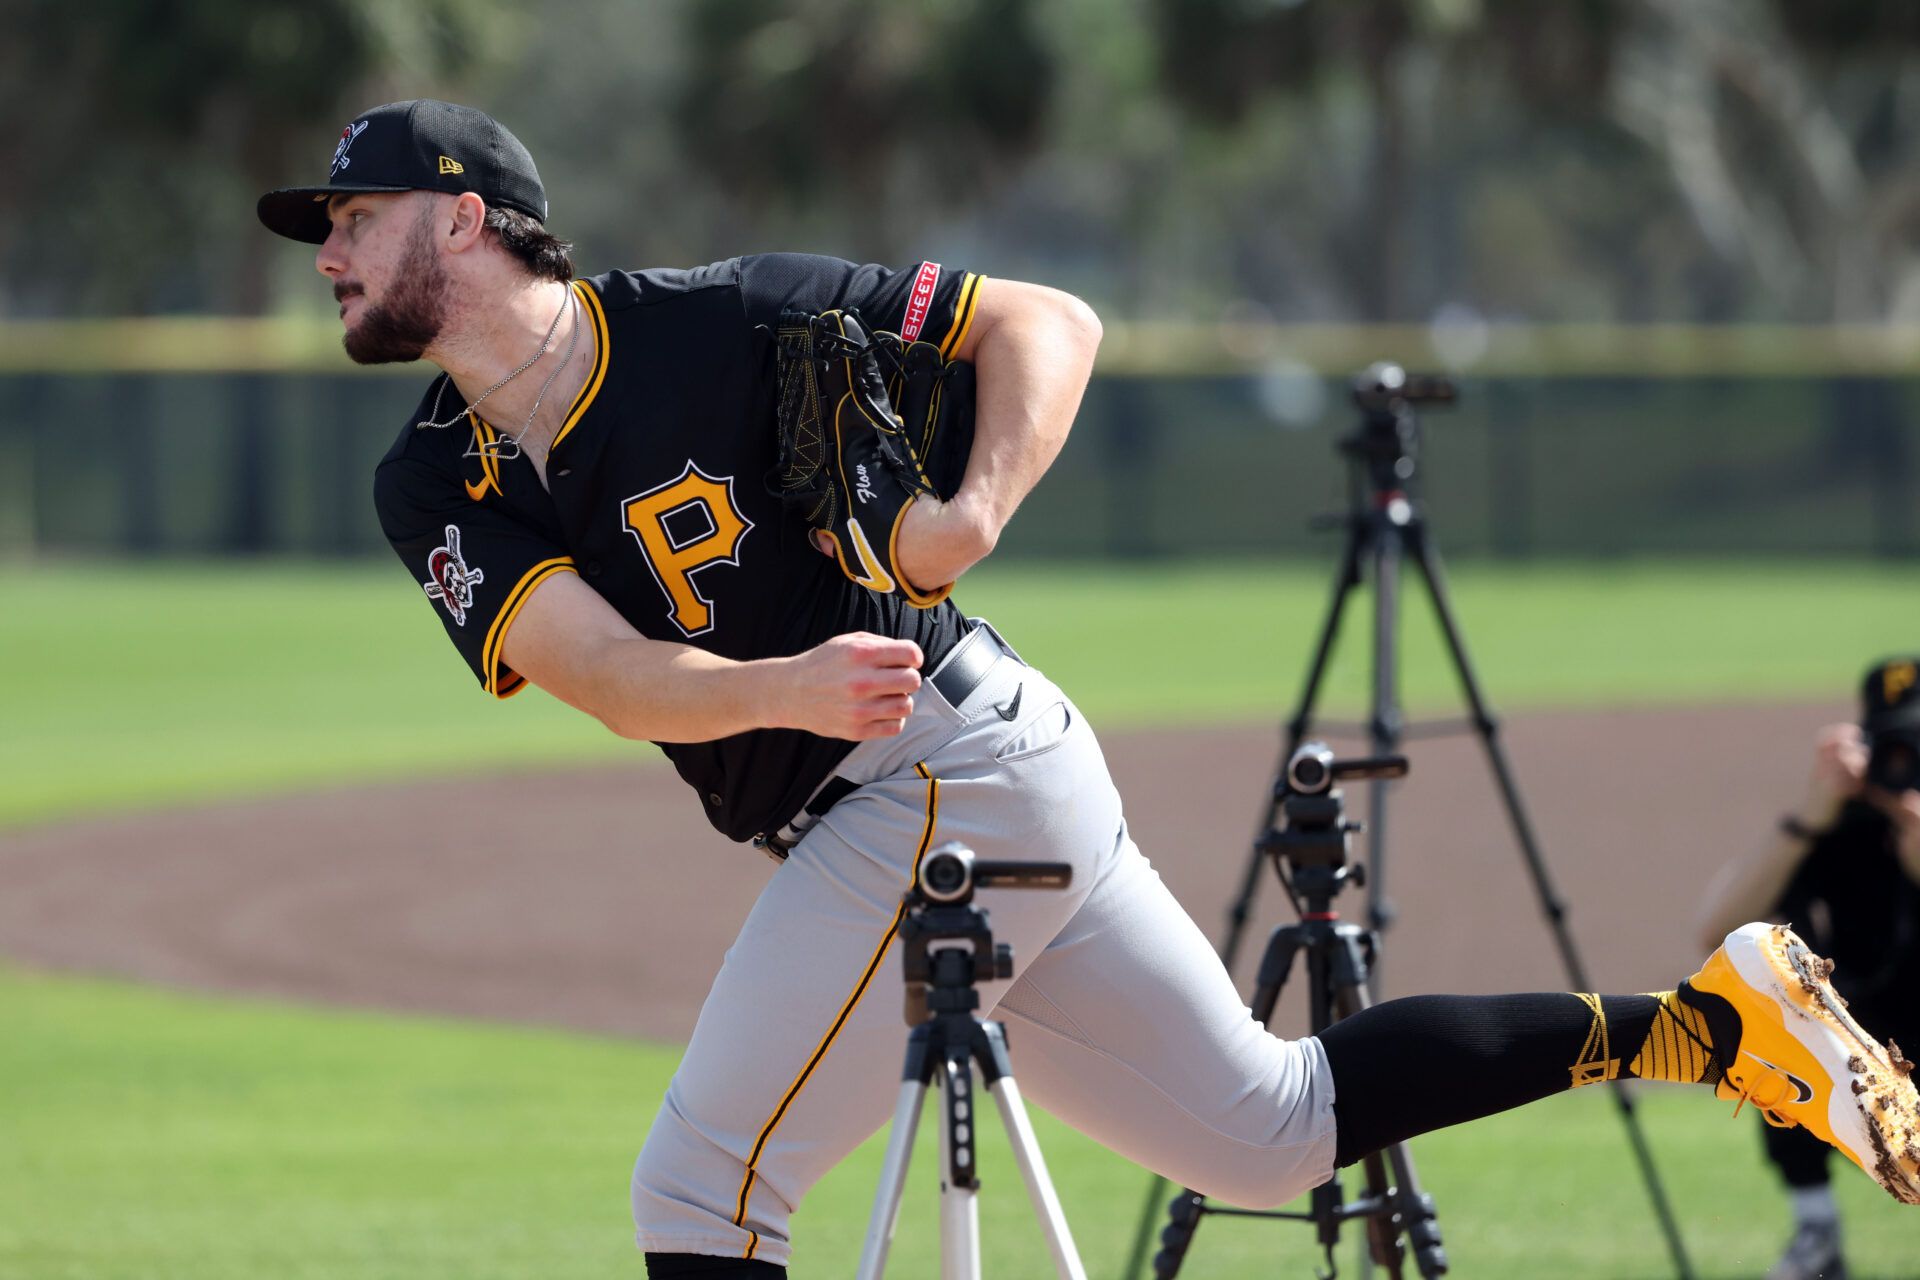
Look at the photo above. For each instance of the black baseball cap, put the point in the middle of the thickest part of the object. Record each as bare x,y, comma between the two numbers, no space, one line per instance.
1890,696
422,145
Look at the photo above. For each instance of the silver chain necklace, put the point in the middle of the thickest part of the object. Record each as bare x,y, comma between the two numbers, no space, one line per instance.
508,446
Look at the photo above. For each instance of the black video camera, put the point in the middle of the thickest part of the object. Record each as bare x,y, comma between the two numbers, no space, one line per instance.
1314,828
1383,387
951,873
1893,759
1387,439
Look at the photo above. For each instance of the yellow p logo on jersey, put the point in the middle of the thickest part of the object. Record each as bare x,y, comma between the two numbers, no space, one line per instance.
684,526
1896,680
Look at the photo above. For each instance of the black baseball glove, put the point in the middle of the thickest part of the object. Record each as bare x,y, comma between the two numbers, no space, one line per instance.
868,424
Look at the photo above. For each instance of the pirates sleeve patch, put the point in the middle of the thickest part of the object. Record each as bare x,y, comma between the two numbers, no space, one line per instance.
450,581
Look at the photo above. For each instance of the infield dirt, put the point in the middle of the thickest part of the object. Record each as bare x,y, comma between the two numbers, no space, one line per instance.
600,899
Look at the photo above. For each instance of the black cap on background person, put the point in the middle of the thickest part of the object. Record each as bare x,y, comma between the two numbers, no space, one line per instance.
1890,697
422,145
1890,719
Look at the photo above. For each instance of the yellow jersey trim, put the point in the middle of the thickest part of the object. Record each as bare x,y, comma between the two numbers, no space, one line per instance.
846,1011
504,682
963,308
591,387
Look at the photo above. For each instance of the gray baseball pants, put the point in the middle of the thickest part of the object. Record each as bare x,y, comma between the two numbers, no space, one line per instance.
1121,1019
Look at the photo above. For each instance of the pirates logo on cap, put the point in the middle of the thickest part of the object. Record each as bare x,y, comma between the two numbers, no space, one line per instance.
1895,679
347,135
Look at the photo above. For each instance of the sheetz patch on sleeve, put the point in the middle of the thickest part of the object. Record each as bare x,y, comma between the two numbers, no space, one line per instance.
920,300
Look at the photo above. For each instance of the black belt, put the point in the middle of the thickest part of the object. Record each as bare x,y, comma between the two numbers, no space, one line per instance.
967,664
831,793
958,675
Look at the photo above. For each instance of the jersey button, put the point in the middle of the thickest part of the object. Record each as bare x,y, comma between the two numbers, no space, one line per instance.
593,568
713,798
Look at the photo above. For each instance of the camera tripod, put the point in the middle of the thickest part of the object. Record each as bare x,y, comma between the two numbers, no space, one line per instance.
1309,854
1386,526
946,948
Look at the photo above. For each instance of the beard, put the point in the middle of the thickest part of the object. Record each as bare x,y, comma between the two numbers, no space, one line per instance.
399,328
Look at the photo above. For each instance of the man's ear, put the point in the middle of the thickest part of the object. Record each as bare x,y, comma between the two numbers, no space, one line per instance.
465,222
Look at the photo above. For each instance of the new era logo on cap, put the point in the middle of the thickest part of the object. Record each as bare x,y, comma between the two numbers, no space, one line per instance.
411,146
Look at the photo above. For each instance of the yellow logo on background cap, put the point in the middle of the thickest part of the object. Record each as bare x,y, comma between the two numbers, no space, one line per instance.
449,165
1896,680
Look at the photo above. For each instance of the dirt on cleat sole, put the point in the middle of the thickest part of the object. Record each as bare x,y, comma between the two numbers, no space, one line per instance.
1882,1087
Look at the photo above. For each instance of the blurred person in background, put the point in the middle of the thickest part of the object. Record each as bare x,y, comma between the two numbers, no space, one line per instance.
1843,869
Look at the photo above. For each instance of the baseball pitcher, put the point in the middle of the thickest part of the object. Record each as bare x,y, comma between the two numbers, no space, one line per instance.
721,510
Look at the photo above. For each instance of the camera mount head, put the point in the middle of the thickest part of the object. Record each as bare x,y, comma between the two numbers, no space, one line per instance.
1386,443
946,945
1385,387
1310,848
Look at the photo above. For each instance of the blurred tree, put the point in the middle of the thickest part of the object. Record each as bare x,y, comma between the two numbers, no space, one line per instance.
1789,126
1220,58
876,109
1883,28
1557,55
159,120
1307,159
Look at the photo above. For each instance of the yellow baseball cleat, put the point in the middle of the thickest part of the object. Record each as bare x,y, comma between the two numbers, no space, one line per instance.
1792,1050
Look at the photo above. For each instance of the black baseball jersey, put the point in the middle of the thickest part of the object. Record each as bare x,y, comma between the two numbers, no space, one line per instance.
663,499
1853,902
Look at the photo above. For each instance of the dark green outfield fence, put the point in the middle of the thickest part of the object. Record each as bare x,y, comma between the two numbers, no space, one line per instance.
1563,462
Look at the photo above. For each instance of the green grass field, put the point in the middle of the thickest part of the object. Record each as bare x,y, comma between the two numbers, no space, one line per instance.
165,683
156,1136
150,1134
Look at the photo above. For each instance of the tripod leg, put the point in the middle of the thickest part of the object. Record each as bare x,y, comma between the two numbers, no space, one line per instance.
990,1050
1412,1213
1385,725
1033,1169
916,1077
1188,1207
1487,727
1347,578
1241,908
893,1182
1383,1229
1344,582
1427,556
959,1203
1282,945
1143,1227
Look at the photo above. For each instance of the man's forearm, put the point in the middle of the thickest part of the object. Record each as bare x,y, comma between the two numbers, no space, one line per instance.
1033,366
570,641
1033,373
1750,888
663,692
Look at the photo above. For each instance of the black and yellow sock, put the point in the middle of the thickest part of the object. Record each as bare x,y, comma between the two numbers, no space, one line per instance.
1673,1043
1410,1066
